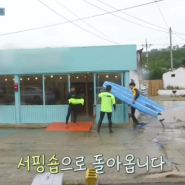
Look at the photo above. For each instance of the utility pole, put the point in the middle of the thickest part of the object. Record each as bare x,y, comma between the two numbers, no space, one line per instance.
171,49
147,46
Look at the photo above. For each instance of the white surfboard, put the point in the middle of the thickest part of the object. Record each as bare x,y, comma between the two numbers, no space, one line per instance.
176,114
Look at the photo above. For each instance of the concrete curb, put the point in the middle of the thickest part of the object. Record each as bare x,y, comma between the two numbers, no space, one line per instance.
24,126
44,125
140,181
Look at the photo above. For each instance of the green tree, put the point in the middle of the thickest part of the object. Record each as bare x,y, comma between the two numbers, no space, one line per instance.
161,58
157,73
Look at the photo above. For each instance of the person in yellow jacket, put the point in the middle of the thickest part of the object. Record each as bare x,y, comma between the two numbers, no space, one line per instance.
107,101
72,107
73,101
135,96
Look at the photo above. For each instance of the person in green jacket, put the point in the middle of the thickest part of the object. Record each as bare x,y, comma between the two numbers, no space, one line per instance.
73,101
107,101
72,107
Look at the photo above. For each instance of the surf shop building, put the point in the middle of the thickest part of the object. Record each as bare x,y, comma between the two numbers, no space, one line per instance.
34,82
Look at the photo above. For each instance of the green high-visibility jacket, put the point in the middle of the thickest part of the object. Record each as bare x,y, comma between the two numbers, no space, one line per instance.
107,100
76,101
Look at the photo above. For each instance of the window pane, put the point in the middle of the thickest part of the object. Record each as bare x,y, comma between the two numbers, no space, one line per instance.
31,90
7,95
56,89
102,77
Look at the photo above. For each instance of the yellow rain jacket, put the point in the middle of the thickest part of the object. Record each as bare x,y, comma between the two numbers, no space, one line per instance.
76,101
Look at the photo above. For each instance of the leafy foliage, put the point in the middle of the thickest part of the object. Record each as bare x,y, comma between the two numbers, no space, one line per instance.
159,61
170,87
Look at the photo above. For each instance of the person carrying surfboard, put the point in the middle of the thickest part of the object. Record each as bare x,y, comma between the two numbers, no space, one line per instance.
107,101
135,96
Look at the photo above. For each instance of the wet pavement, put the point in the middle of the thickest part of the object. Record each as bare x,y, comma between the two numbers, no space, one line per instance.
167,98
151,141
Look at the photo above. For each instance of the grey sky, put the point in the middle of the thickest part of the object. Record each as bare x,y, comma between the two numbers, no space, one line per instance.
21,15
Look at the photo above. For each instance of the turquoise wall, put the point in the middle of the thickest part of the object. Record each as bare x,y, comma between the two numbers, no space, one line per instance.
68,60
63,60
117,117
33,114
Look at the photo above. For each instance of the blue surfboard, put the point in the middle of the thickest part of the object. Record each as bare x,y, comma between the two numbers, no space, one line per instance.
142,104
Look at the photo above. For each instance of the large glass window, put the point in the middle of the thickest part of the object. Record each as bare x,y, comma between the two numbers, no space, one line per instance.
7,95
102,77
31,90
56,89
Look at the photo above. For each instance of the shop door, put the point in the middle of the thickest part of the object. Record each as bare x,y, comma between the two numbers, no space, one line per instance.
85,89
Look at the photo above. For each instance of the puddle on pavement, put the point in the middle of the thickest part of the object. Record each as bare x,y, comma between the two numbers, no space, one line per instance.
162,146
172,131
172,135
165,138
170,104
8,132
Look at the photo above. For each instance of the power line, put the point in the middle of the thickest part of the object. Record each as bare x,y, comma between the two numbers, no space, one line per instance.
136,6
160,44
75,24
160,54
161,13
131,15
166,41
123,18
179,33
159,38
97,15
174,40
141,19
83,20
180,37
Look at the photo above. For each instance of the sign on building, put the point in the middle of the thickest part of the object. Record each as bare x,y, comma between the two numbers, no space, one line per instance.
2,11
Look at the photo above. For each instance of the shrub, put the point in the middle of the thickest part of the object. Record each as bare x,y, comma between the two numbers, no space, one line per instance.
170,87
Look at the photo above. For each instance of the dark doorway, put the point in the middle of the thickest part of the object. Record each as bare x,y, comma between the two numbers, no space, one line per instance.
85,89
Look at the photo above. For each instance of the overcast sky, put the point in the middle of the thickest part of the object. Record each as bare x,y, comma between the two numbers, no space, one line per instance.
28,14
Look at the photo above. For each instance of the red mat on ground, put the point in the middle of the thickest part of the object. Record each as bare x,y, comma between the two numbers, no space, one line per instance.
60,127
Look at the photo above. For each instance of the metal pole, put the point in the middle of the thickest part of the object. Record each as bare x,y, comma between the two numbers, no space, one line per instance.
86,95
171,49
69,82
43,88
147,46
94,106
146,52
